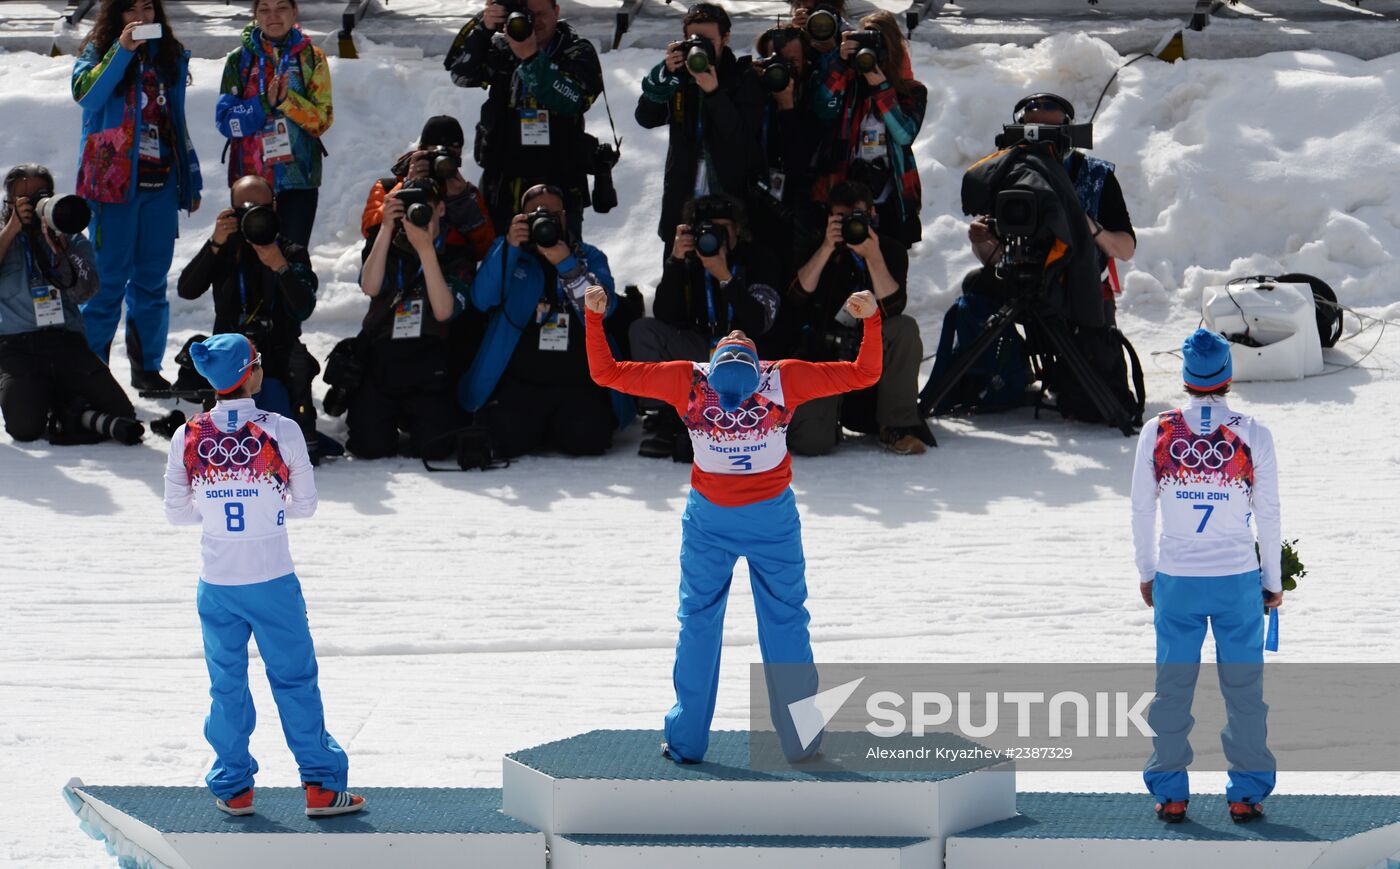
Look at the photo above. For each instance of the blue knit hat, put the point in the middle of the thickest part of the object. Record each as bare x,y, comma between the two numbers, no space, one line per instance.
223,360
733,373
1205,361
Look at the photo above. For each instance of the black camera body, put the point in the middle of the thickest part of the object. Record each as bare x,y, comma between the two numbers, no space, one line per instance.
823,23
1061,136
1015,222
257,224
418,205
520,22
443,163
871,51
545,229
855,228
345,372
709,237
699,54
775,73
601,158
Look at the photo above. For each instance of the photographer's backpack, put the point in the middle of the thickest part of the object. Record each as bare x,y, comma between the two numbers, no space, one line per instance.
996,381
1112,355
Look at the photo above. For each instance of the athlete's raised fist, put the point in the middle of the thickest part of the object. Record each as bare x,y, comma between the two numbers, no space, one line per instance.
595,299
861,305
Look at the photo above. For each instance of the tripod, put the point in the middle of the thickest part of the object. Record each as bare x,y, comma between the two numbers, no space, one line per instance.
1041,326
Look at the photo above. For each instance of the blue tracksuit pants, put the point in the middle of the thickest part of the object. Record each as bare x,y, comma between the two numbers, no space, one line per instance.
275,613
1233,608
769,535
135,244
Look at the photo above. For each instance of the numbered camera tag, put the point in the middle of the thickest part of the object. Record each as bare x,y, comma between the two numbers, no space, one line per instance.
150,143
534,127
48,305
872,138
276,142
408,319
554,332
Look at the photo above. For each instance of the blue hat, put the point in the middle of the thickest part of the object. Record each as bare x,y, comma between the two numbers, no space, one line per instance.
223,360
1206,363
733,373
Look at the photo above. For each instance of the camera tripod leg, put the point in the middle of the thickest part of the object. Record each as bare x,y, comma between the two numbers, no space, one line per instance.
933,392
1109,407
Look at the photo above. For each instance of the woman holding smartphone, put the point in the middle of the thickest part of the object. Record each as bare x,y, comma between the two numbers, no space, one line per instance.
137,169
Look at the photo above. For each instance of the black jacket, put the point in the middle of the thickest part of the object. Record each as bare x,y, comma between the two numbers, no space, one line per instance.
727,121
267,307
563,79
684,298
808,317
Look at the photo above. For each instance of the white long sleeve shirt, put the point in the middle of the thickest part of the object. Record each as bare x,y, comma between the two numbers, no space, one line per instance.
1214,476
240,472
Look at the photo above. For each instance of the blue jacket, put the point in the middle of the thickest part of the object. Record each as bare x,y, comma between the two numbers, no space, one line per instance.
107,163
512,302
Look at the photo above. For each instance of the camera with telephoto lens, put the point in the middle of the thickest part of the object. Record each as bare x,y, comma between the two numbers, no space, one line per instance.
68,214
709,238
871,51
78,414
855,228
442,163
258,224
545,230
520,22
602,157
822,24
699,54
1063,136
775,73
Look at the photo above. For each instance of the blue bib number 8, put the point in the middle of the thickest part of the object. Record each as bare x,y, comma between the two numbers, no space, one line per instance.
233,515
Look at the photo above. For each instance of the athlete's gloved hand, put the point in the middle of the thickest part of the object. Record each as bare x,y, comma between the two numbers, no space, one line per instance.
595,299
861,305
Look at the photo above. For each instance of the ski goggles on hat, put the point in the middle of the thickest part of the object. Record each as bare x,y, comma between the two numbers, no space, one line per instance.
734,353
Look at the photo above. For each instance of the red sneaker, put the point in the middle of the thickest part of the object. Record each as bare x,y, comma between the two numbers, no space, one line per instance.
321,803
1172,813
1242,813
240,803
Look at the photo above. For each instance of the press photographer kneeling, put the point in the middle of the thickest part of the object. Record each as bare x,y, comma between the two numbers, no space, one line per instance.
852,257
50,382
417,283
264,289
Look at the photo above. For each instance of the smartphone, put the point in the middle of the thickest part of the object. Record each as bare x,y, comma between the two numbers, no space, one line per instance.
146,31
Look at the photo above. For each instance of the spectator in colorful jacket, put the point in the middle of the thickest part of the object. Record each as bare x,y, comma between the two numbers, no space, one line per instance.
877,115
137,169
274,106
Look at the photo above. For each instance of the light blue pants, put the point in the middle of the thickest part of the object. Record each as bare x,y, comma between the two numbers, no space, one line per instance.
769,535
135,244
275,613
1234,609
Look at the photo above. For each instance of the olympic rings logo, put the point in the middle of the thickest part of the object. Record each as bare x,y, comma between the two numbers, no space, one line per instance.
228,450
1201,453
727,421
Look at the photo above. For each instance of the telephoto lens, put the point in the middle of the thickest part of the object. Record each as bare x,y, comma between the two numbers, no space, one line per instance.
855,228
699,54
822,24
420,214
258,224
871,51
443,164
118,428
775,73
68,215
709,238
520,24
544,229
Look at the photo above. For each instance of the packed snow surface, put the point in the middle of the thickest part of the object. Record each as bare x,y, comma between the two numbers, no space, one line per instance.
461,616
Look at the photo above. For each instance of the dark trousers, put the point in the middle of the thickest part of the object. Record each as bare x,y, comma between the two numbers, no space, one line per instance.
526,418
48,369
409,393
296,214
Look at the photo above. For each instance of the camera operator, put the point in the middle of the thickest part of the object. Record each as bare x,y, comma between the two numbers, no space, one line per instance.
45,362
713,103
714,282
876,108
417,283
853,257
827,38
529,384
1099,192
532,123
264,289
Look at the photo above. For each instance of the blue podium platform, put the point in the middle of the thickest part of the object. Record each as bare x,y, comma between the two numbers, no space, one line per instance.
1119,829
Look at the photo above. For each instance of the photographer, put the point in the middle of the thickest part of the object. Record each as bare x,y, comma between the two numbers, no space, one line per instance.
529,384
853,257
274,107
1099,193
877,109
417,283
713,103
714,282
542,77
830,22
45,362
264,289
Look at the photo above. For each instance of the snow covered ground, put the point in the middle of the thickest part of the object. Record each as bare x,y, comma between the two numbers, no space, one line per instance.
460,616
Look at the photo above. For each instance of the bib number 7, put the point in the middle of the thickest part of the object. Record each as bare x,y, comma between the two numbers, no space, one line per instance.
1208,509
